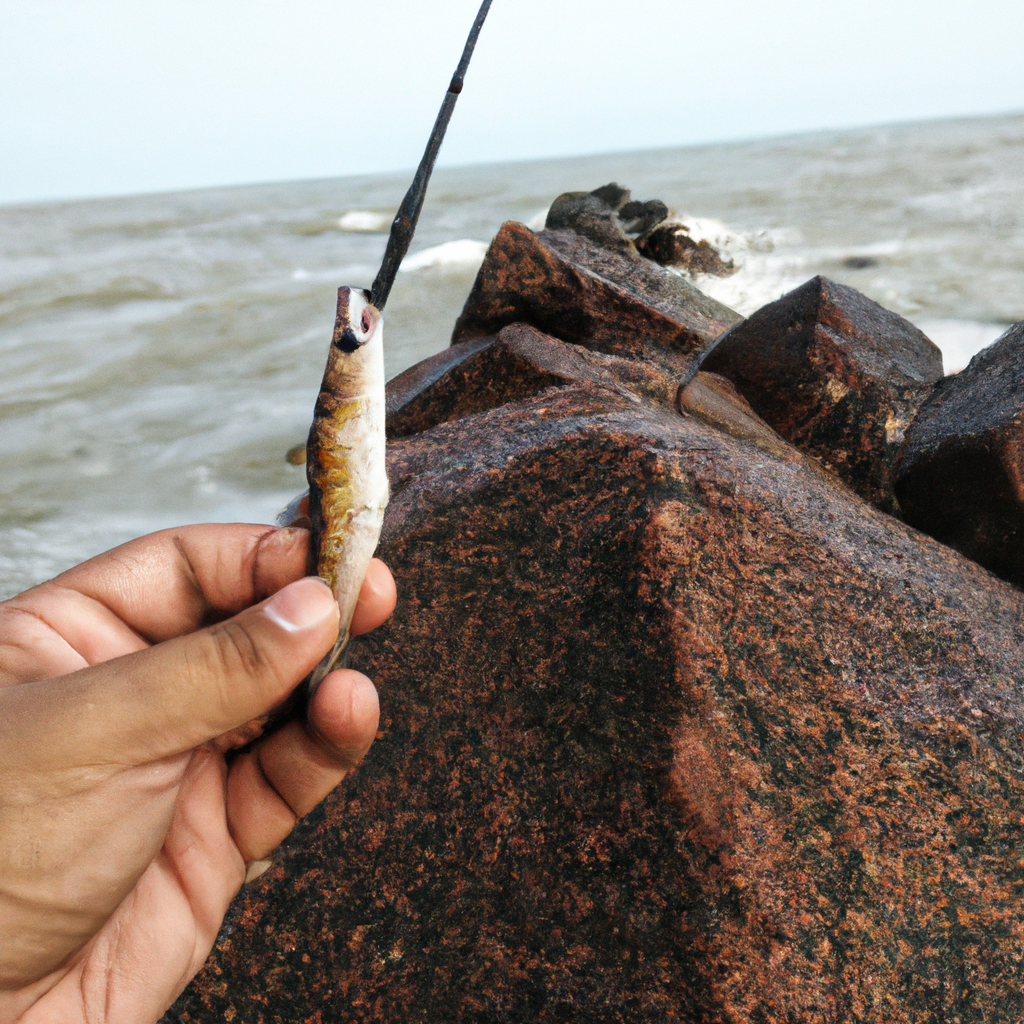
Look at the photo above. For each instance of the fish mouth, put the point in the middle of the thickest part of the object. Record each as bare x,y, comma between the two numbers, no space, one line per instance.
347,341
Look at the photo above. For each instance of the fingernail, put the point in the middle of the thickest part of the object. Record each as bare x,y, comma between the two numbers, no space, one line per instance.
302,604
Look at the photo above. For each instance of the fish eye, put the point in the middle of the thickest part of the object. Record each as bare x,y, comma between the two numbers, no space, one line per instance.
366,322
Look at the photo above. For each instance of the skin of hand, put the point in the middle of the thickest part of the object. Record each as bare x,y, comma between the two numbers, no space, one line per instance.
124,830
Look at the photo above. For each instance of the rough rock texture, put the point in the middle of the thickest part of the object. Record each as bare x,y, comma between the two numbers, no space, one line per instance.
837,375
489,372
960,474
593,295
674,729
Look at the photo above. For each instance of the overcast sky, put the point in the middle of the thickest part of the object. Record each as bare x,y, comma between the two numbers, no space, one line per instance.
105,97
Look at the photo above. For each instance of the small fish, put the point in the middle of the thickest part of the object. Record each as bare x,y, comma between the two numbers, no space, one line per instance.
345,453
345,459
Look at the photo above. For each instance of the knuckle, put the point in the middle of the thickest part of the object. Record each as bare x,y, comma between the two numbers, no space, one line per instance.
236,652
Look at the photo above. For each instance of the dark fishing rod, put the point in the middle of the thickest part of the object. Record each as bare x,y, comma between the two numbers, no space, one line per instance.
408,215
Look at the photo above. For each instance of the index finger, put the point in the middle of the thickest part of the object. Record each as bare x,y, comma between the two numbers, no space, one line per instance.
176,581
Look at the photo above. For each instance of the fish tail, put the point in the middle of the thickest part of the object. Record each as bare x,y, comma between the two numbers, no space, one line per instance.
335,659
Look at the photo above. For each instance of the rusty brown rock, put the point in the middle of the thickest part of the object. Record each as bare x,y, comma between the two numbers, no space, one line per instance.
593,295
490,372
835,374
675,729
960,473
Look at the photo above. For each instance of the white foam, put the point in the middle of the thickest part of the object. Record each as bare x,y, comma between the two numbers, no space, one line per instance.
538,220
466,252
767,265
367,221
960,339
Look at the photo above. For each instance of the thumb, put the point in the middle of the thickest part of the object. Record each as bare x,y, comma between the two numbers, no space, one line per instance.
183,692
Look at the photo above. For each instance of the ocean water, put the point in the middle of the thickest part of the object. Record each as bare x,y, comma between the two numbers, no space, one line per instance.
160,354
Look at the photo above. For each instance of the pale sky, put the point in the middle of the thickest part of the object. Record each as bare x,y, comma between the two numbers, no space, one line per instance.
107,97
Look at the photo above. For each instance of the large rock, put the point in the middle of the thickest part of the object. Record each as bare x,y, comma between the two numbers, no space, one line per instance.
960,474
837,375
489,372
600,296
674,728
520,361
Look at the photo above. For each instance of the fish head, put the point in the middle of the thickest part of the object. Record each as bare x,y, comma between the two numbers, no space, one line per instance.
358,320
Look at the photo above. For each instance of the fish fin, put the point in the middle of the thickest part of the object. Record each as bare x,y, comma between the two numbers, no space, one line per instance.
296,512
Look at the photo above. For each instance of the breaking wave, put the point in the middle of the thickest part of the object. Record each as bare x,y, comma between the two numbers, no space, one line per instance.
466,252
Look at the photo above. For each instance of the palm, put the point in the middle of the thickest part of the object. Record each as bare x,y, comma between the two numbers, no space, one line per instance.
139,832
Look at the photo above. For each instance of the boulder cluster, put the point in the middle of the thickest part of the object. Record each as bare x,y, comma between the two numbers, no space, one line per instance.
703,701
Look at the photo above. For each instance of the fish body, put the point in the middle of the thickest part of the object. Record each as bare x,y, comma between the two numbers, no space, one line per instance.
345,462
345,453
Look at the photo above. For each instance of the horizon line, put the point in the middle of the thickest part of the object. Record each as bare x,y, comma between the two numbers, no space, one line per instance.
402,173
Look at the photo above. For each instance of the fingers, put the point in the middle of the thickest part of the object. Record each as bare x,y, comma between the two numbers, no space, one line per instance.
52,630
205,859
289,772
377,599
179,694
173,582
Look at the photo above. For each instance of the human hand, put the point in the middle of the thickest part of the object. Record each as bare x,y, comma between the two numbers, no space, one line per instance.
124,833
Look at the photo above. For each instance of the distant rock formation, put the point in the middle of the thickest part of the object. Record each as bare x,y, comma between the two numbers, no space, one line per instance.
677,724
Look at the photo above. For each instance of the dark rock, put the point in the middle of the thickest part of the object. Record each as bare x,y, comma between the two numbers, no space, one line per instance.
591,214
600,297
639,218
675,729
606,216
671,246
612,195
860,262
491,372
405,389
836,375
960,473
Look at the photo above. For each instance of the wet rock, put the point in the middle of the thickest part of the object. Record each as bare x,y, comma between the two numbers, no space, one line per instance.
405,389
960,473
589,214
607,216
522,361
491,372
674,728
860,262
593,295
671,246
835,374
638,218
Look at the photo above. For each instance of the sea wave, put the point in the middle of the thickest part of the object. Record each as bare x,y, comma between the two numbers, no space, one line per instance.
768,263
959,340
466,252
369,222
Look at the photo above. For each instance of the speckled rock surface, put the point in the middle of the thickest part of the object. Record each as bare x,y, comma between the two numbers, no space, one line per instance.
960,474
597,296
837,375
674,729
490,372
